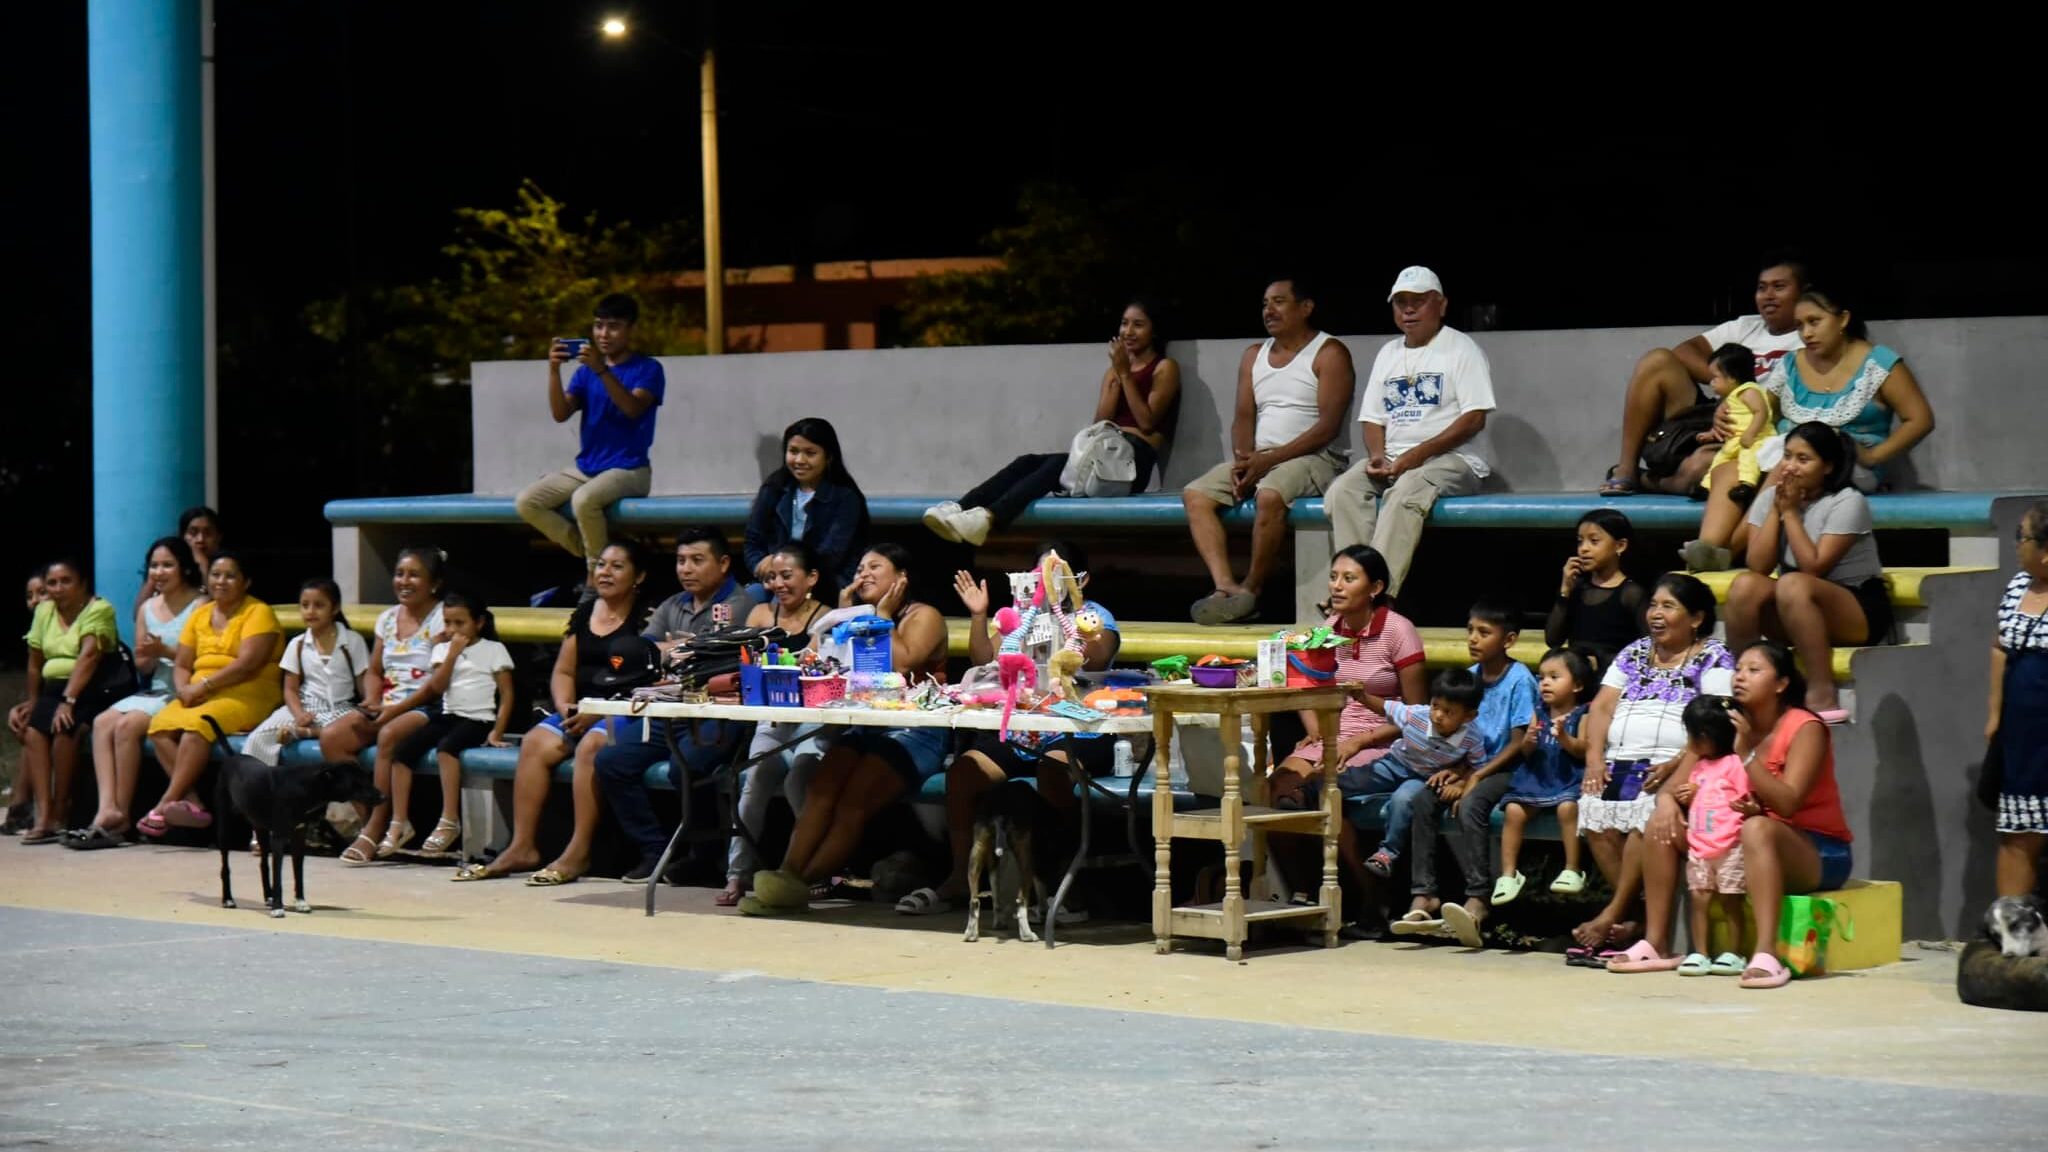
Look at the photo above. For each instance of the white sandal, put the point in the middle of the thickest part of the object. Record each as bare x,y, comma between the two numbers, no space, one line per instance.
354,857
446,832
923,902
396,837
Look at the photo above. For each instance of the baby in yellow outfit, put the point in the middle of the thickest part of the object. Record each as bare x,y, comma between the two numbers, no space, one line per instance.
1751,406
1731,367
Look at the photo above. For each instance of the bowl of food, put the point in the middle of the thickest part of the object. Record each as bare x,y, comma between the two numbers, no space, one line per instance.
1221,674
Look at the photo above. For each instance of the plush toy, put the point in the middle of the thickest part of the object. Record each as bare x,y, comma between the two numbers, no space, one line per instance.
1013,667
1059,594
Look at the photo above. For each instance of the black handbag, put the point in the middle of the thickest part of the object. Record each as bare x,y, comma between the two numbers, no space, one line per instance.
630,661
1676,439
1991,781
709,655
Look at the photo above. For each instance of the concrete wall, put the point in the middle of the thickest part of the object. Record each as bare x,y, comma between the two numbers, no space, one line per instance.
937,420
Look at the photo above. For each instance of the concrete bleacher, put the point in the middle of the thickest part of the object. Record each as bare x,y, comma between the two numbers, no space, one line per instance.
925,424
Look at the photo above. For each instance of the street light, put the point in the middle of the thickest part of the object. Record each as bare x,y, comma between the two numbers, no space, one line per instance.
614,28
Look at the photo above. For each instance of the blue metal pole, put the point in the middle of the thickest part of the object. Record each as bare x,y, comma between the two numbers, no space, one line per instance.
148,354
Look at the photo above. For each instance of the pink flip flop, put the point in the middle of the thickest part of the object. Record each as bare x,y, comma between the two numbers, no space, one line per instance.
1775,974
152,825
1640,957
185,814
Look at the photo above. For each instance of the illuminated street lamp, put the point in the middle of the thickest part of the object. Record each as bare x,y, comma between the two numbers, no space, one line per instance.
614,28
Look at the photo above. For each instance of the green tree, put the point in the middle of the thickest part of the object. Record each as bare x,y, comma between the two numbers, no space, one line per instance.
1054,260
519,277
1070,260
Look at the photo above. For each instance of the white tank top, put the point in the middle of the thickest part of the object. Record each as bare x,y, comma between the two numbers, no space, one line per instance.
1286,396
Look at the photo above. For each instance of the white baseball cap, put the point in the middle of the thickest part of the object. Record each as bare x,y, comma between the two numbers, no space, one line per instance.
1415,278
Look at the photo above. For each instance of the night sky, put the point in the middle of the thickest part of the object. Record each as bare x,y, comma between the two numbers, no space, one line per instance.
1562,182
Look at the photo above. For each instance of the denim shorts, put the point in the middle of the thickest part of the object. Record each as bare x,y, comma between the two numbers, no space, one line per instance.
1836,861
917,754
553,722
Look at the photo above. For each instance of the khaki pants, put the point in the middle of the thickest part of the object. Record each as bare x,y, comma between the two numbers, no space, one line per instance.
588,497
1367,510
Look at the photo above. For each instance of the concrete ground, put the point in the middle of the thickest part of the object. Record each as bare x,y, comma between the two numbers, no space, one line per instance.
411,1012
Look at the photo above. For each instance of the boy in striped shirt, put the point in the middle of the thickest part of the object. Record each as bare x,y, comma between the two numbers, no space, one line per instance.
1423,740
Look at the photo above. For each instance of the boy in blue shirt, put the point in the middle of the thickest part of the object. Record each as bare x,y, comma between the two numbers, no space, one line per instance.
1426,743
617,391
1508,701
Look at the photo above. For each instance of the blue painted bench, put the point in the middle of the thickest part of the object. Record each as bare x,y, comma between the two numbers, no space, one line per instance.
1967,513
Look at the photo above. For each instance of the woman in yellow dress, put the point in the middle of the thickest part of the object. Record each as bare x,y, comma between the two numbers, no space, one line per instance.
227,671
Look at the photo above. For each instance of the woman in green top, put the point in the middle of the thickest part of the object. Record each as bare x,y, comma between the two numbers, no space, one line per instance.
74,671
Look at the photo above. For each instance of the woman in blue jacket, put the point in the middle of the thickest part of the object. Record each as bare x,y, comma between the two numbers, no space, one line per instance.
811,498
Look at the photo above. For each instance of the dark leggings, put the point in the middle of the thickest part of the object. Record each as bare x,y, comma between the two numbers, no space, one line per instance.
1007,493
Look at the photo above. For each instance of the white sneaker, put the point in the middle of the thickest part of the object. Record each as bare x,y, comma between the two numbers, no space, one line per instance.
938,518
971,526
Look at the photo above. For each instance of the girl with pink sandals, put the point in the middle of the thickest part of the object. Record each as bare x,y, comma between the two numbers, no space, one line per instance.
1796,839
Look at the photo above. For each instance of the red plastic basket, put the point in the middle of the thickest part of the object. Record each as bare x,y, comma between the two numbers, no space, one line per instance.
819,691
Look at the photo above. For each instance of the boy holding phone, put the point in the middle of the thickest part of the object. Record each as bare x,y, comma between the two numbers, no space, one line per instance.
617,391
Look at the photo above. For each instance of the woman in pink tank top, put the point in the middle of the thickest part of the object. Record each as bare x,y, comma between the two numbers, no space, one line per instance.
1803,845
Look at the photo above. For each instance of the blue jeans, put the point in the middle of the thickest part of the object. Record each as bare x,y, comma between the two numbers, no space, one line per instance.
1387,777
622,771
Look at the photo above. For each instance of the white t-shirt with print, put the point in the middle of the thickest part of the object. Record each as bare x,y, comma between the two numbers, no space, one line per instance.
406,658
326,681
1750,332
473,686
1416,393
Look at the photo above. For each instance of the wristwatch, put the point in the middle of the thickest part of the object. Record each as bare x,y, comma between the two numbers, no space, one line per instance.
73,700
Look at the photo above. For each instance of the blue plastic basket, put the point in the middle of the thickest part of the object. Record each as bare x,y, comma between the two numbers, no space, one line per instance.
770,687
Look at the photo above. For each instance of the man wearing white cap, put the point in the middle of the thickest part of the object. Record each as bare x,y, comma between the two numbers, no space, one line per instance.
1424,414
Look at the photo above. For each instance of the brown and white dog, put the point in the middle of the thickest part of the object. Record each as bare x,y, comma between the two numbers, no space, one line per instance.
1005,819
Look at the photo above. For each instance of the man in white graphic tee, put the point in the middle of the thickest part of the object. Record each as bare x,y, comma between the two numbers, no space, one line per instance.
1423,413
1668,381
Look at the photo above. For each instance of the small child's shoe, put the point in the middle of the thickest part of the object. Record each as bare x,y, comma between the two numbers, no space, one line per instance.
1507,888
1568,883
1700,556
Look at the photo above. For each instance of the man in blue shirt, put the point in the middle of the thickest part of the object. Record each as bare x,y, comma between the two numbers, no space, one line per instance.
617,391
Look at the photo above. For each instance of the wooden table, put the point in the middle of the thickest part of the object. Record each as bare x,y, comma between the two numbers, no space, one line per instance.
1228,920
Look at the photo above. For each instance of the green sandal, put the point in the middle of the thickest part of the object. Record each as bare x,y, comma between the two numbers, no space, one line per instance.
754,906
1507,888
1727,964
1695,964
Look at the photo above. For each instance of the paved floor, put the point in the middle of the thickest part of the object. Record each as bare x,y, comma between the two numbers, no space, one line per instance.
411,1012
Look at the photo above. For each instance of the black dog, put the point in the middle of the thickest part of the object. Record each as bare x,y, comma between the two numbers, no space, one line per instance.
1005,820
279,803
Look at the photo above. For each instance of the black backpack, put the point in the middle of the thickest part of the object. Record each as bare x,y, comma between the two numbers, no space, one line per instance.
1676,439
